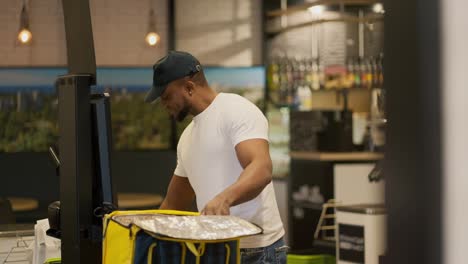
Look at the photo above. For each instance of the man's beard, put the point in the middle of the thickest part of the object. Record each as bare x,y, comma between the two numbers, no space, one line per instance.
183,114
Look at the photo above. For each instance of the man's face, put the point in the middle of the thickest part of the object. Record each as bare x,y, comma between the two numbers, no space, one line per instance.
175,100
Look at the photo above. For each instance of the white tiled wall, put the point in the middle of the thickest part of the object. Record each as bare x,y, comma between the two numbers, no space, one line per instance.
333,41
326,40
119,28
220,32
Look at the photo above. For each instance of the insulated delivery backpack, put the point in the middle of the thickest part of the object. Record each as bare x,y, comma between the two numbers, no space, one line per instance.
168,236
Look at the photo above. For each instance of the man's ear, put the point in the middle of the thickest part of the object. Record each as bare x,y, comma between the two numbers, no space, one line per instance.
189,87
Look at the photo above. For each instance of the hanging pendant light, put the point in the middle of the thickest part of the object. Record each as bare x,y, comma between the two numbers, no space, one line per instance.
24,34
152,38
378,8
316,10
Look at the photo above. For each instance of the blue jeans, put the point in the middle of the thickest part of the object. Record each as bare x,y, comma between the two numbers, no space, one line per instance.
272,254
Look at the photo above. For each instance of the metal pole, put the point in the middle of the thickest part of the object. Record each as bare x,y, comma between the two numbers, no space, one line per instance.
75,144
413,156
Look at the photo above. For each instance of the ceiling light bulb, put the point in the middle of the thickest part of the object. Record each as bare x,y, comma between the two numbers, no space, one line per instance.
378,8
24,36
152,38
316,10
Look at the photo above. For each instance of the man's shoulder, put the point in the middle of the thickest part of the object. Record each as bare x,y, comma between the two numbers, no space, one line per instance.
237,104
234,98
187,129
185,133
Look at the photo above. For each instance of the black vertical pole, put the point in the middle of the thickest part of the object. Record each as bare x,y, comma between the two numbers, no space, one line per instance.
76,170
171,25
79,37
264,55
413,156
76,206
171,46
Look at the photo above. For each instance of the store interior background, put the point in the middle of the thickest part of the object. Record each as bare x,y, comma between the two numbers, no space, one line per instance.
230,34
219,33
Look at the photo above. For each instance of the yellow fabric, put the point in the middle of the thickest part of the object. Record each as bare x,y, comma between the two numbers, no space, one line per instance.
150,253
228,253
192,248
198,252
53,260
184,252
119,241
238,253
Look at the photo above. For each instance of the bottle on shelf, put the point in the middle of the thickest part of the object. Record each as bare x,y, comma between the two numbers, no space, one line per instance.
380,70
363,72
283,79
369,77
304,96
302,70
273,79
357,73
375,74
308,72
292,80
296,74
290,83
349,79
315,75
321,74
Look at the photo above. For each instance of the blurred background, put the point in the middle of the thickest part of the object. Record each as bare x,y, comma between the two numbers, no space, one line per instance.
320,72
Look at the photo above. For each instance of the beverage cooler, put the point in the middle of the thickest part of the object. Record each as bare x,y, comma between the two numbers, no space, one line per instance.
361,234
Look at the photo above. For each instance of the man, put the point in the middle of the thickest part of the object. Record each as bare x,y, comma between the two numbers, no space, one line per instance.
223,155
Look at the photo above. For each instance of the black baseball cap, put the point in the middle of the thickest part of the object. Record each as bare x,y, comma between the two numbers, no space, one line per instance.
173,66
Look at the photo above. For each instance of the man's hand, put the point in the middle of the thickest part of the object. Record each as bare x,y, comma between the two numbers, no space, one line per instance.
218,206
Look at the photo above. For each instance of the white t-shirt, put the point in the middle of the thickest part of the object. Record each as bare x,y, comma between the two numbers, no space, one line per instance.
206,155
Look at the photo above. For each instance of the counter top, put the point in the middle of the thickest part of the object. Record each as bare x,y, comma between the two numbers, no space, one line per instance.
370,209
13,230
336,156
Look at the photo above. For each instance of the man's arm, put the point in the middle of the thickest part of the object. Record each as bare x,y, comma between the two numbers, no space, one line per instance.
254,156
180,194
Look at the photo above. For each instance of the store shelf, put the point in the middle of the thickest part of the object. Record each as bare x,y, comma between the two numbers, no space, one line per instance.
343,90
308,205
15,230
324,243
356,91
350,19
305,6
337,156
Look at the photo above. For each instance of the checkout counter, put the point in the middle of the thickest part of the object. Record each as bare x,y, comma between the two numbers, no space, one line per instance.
16,240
